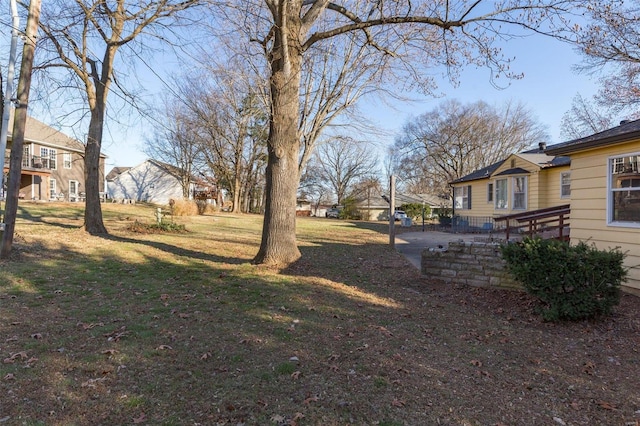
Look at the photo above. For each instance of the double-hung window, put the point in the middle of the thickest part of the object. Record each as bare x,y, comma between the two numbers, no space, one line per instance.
53,188
624,190
462,197
66,160
565,185
501,201
520,193
490,192
48,158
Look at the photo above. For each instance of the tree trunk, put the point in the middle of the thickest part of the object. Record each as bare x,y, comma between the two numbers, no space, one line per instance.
19,124
93,210
278,246
236,192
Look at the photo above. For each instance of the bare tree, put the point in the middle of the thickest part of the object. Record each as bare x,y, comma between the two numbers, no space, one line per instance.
342,162
366,192
313,187
611,43
455,139
231,121
405,37
585,118
177,144
84,38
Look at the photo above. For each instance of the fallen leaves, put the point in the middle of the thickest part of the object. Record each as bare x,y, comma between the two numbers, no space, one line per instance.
140,419
398,403
606,405
589,368
116,335
15,357
310,399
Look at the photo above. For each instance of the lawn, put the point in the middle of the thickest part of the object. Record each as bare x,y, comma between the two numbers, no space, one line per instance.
181,329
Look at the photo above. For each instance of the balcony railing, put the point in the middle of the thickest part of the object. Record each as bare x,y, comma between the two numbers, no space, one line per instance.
552,222
38,162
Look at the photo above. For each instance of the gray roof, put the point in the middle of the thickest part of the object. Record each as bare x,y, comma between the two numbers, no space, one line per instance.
533,156
514,171
626,131
482,173
116,171
42,134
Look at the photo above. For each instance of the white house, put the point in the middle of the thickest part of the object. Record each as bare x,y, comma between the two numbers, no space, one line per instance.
152,181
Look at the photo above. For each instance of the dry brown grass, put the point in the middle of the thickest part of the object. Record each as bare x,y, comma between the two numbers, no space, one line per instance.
181,329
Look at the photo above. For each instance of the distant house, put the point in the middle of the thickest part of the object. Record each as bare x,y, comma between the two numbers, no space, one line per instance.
52,164
377,207
154,182
605,192
522,182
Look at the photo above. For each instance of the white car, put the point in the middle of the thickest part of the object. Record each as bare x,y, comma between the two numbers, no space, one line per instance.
399,215
333,213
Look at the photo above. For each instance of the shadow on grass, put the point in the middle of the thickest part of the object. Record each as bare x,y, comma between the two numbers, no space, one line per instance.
118,337
175,250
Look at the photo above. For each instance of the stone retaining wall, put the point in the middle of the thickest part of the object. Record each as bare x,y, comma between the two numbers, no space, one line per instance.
477,264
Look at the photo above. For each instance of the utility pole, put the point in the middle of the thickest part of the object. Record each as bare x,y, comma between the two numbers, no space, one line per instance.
19,123
392,211
6,111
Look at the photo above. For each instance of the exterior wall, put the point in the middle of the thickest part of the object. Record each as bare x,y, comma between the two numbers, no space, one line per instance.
146,182
589,208
36,177
549,187
543,190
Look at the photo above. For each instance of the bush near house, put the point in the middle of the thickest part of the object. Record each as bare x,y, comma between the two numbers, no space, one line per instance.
572,282
414,210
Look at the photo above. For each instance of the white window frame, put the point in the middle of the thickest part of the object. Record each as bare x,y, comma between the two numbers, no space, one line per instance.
73,196
48,156
497,201
490,190
53,189
66,160
524,192
615,162
565,186
26,156
462,201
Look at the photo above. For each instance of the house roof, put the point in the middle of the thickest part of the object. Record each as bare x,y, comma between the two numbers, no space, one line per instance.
626,131
168,168
483,173
38,132
430,200
115,172
514,171
534,156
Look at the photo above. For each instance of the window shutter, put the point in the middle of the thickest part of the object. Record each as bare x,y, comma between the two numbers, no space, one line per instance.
469,198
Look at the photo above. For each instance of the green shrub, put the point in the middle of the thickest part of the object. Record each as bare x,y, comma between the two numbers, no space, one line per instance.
414,210
571,282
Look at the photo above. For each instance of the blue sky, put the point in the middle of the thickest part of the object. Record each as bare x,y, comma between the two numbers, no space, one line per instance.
547,89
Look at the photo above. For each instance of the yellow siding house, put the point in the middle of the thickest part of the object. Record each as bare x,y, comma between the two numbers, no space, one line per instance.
605,192
522,182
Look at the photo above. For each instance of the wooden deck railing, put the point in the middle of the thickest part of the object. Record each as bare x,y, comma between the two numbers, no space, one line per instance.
552,222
